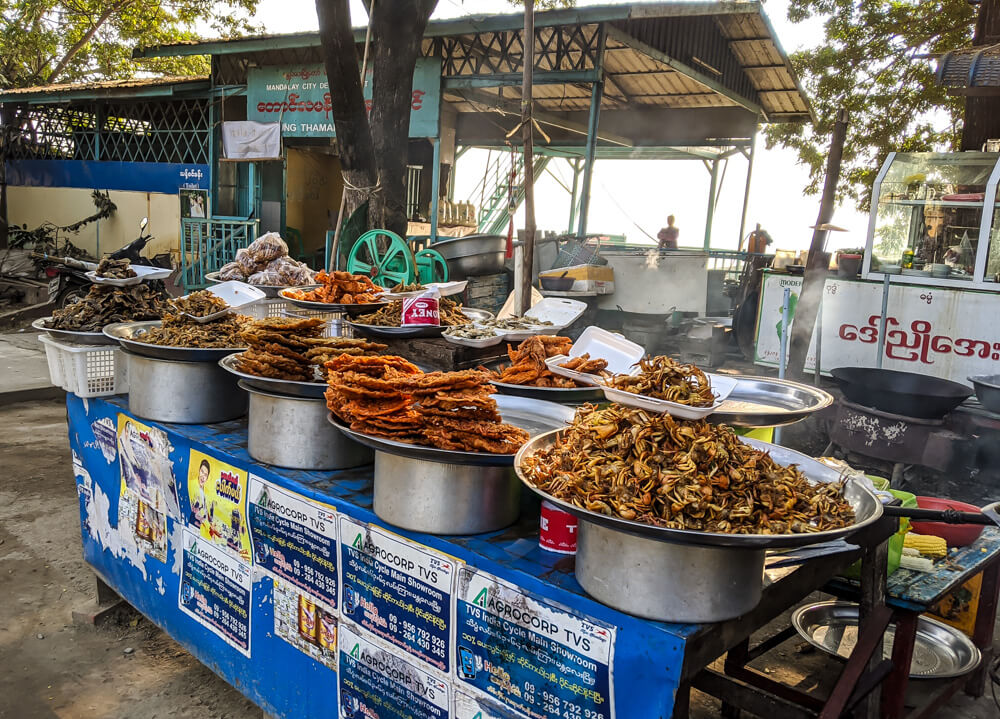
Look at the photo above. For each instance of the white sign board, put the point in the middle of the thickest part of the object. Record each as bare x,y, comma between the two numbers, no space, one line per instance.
247,140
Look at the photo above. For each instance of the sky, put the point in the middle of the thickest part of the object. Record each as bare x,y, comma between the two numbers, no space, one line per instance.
634,197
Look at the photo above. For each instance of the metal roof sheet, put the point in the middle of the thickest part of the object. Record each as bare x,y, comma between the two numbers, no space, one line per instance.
132,87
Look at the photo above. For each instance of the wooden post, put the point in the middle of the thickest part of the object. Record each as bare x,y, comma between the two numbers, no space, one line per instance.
527,135
812,285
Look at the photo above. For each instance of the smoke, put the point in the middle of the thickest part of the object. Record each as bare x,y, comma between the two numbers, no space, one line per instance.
652,259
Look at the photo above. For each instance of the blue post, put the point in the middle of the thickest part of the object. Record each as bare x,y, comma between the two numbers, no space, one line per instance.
435,186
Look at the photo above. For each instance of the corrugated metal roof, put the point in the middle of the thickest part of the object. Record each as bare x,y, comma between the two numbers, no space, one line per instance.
970,67
106,88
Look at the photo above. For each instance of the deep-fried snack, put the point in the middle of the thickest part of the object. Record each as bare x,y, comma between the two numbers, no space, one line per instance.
296,325
663,378
199,304
178,330
585,364
449,313
105,304
528,367
376,366
340,288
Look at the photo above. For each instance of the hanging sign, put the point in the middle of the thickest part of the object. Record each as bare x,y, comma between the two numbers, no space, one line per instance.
246,140
298,97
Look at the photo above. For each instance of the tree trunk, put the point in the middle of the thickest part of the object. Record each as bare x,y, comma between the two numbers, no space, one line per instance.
982,114
397,32
354,140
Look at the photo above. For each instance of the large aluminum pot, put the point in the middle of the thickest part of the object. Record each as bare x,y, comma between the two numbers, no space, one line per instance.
292,432
668,582
473,255
182,392
441,498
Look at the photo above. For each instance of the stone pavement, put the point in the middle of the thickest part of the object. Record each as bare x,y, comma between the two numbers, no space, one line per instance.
24,372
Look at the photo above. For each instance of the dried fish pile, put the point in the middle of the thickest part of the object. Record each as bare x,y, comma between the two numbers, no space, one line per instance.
178,330
392,315
199,304
681,474
105,305
292,349
663,378
115,269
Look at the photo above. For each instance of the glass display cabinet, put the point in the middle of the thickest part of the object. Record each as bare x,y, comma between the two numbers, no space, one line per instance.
935,220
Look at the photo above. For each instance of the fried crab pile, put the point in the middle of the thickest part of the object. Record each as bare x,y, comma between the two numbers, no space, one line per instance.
663,378
339,288
390,397
527,363
391,315
680,474
288,348
104,305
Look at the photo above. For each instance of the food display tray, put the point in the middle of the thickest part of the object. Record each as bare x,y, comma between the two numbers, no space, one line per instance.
722,386
867,508
143,273
353,310
79,338
445,289
534,416
939,652
270,291
571,395
621,355
287,387
767,402
412,331
129,334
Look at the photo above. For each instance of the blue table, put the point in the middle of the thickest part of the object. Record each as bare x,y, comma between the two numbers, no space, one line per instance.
288,586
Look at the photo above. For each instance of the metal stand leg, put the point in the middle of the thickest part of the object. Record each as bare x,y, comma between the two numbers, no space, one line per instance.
982,633
736,659
894,693
830,448
107,605
682,701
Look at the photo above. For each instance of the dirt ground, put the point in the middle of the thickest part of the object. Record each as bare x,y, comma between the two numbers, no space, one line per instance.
51,668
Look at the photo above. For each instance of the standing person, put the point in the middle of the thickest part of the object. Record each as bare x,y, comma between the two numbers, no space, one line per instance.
668,235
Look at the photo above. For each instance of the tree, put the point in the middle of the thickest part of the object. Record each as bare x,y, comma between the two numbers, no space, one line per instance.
876,62
373,146
49,41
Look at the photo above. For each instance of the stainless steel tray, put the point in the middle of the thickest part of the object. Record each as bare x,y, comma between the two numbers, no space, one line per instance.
287,387
473,314
531,415
79,338
270,291
767,402
575,395
939,652
129,334
867,508
352,310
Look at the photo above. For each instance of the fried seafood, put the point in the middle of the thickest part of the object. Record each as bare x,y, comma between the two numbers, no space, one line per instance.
584,364
681,474
389,397
199,304
104,305
179,331
115,269
663,378
392,315
340,288
527,363
412,287
293,349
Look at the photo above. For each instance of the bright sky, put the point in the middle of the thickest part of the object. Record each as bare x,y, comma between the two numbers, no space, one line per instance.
631,193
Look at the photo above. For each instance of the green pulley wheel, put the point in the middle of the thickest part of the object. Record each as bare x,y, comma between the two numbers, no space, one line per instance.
384,257
431,266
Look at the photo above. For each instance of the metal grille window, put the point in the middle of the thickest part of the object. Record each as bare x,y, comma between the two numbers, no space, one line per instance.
413,173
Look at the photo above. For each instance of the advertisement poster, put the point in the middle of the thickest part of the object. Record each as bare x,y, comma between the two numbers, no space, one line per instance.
398,591
302,622
148,526
146,468
528,654
215,590
469,707
375,684
216,494
294,539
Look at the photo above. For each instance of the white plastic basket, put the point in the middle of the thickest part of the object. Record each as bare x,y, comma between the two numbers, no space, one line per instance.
86,370
266,308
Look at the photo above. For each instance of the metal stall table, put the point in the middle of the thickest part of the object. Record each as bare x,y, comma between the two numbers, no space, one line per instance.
286,584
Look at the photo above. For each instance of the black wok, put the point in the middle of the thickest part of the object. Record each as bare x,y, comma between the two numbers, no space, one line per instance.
905,393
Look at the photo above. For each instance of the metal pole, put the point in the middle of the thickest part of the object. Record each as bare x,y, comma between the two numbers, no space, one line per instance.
575,165
881,326
596,97
711,204
528,139
819,342
746,189
783,347
435,186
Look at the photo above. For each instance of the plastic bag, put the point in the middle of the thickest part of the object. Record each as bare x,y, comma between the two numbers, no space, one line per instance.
265,277
245,261
232,271
267,247
291,271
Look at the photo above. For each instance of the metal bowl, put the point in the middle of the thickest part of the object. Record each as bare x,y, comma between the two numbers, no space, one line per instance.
129,336
473,255
285,387
939,652
867,508
767,402
412,331
569,395
353,310
987,390
73,336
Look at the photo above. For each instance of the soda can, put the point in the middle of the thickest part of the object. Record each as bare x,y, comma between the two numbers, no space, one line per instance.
557,531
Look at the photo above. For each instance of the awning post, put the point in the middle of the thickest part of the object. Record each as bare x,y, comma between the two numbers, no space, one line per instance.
596,97
710,214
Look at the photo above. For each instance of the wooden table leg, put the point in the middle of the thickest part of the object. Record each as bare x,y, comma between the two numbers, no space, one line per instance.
982,633
874,564
682,701
894,691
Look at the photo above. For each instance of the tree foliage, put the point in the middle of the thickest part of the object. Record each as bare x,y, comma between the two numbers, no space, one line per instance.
873,62
49,41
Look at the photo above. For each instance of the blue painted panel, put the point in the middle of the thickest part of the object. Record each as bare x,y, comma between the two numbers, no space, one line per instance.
164,177
280,677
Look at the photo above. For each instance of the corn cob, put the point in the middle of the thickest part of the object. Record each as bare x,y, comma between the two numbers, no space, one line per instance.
926,544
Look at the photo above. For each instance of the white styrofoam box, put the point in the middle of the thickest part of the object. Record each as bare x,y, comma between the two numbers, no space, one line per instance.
620,353
143,273
561,312
238,295
86,370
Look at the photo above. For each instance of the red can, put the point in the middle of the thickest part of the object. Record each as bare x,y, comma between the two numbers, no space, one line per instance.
557,532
